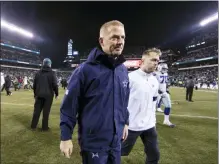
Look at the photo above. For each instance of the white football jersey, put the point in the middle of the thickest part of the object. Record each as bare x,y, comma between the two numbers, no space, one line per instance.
163,80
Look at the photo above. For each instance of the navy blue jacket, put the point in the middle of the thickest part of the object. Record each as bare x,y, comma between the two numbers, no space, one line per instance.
97,97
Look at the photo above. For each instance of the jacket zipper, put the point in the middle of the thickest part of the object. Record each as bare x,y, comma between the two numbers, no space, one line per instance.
114,121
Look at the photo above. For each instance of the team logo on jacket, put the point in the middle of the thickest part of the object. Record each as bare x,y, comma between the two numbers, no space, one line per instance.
125,83
95,155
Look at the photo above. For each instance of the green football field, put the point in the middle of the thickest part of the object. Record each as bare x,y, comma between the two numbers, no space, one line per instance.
193,141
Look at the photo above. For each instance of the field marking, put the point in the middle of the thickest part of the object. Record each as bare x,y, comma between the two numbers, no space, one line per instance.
5,103
189,116
27,98
209,91
194,101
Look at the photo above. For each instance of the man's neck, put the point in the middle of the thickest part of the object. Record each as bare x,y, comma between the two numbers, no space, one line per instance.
146,71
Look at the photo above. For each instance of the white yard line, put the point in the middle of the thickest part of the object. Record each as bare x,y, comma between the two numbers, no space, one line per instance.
5,103
209,91
194,101
27,98
189,116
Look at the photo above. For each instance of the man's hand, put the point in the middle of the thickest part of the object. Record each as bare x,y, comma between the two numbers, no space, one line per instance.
56,97
66,148
125,133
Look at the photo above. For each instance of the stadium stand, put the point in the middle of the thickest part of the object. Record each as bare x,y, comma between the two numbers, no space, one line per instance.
20,57
200,53
18,49
200,60
206,34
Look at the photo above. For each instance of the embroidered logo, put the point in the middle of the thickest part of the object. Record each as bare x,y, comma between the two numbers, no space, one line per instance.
125,83
95,155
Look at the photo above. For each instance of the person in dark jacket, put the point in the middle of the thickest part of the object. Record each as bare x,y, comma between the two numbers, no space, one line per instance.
97,97
64,83
44,86
8,85
189,89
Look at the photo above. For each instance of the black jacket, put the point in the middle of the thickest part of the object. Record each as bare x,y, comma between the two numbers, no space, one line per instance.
7,82
190,83
45,83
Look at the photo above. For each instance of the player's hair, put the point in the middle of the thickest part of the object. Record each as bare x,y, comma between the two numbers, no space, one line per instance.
148,51
106,25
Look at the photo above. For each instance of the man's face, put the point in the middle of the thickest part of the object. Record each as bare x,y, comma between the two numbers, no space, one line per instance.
113,40
150,62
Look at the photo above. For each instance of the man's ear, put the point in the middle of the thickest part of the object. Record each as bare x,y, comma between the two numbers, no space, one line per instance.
101,41
142,60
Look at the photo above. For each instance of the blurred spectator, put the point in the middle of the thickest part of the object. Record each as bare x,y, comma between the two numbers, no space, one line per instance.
20,56
201,75
200,53
8,85
19,74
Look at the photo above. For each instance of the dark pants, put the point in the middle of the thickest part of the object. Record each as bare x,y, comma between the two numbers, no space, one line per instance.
8,92
3,87
26,86
45,105
189,93
149,139
111,157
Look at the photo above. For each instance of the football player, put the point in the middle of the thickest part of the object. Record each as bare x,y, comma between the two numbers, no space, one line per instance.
164,95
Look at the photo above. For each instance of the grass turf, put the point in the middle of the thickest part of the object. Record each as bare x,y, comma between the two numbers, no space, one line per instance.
193,141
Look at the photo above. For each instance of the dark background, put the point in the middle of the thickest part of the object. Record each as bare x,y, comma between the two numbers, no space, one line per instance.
162,24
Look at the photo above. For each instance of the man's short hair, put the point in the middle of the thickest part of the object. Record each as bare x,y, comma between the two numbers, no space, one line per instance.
106,25
155,50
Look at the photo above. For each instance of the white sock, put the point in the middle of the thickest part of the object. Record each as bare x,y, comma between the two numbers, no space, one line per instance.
166,118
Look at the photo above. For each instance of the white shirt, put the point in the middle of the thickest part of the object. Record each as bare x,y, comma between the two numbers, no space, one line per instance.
25,80
142,105
2,79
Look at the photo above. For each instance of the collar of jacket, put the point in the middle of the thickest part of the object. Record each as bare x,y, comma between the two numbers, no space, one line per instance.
98,56
46,68
144,73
